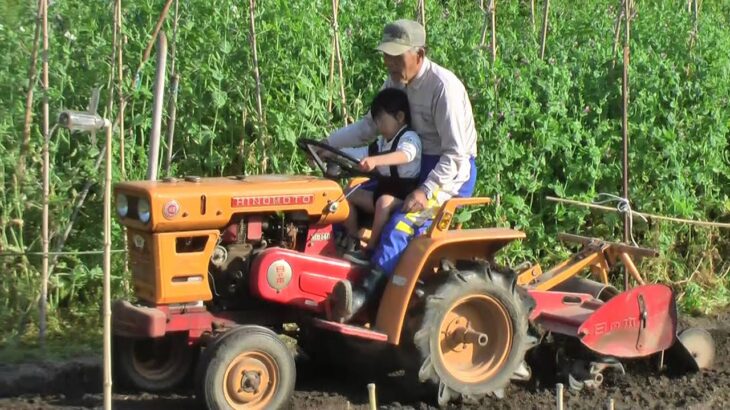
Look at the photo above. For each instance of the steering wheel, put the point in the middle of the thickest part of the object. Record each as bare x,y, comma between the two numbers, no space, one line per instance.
347,164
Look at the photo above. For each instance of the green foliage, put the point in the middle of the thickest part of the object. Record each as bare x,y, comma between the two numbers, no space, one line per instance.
549,127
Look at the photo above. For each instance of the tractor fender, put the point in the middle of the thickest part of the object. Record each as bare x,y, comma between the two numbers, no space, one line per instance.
422,257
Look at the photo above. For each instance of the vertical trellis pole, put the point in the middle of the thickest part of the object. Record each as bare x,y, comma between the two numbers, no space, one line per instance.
107,270
120,85
422,12
174,82
257,78
338,55
532,14
20,170
625,126
545,15
46,185
617,33
493,12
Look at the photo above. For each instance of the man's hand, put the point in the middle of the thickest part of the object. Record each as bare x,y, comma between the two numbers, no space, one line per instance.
368,164
416,201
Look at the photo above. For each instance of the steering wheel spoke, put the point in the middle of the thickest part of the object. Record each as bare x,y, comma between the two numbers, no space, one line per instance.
349,165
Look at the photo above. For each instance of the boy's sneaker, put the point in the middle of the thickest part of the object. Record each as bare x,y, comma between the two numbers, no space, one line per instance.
359,257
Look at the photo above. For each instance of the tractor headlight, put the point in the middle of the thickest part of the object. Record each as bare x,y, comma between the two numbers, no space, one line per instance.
143,210
122,205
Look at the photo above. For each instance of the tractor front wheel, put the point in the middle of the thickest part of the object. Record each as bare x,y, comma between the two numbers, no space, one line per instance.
250,368
474,334
153,365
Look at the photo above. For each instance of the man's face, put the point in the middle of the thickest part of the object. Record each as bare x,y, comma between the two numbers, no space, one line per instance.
403,68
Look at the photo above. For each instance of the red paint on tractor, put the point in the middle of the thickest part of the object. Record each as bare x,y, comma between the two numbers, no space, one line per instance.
635,323
311,277
320,241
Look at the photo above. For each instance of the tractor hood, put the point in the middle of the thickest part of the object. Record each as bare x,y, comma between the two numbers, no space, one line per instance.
195,203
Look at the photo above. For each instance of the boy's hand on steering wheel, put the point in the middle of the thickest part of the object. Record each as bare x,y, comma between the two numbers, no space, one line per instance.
368,164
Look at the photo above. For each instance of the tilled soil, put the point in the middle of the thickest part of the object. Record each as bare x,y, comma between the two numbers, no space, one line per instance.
66,386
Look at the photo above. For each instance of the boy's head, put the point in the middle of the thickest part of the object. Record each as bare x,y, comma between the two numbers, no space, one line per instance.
390,111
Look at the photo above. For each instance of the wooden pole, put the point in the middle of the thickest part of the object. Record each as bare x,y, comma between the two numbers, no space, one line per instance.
332,73
421,12
257,77
625,127
107,271
158,26
617,33
25,145
559,395
485,26
120,85
372,398
335,26
532,14
545,14
172,102
46,184
695,28
493,12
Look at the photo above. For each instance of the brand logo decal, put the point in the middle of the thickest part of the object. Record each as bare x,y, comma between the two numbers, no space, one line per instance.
252,201
171,209
279,274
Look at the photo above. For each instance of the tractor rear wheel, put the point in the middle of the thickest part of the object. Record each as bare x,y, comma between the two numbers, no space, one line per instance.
474,333
247,368
153,365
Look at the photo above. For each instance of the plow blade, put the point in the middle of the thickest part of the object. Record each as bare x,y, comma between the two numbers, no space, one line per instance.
636,323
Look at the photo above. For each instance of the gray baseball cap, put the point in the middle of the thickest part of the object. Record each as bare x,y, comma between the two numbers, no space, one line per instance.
402,35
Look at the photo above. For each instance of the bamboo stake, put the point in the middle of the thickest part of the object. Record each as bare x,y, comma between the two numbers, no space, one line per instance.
421,12
120,95
695,28
335,26
107,271
158,26
493,12
25,145
617,33
641,214
172,110
46,184
172,102
372,398
332,74
559,387
532,14
625,125
545,14
120,85
259,103
485,25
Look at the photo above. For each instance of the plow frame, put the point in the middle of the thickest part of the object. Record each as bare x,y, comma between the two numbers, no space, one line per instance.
597,255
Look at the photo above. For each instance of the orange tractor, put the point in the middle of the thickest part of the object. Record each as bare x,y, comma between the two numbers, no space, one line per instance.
222,267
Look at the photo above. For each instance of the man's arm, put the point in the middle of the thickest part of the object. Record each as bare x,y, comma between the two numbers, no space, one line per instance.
355,134
454,162
358,133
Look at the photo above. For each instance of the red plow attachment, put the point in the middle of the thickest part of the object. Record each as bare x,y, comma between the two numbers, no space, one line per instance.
636,323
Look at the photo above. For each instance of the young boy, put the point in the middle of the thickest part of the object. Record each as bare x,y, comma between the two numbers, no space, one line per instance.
396,156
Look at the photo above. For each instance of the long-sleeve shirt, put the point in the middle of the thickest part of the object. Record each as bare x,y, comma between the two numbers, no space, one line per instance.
442,115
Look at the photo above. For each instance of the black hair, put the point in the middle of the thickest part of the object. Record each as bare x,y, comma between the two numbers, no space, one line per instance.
391,101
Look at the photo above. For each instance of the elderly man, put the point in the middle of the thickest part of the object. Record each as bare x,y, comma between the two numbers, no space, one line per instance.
442,115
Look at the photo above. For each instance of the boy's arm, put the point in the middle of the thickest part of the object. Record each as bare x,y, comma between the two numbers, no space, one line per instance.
394,158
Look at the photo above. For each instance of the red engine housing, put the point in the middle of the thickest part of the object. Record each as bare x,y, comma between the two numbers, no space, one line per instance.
295,278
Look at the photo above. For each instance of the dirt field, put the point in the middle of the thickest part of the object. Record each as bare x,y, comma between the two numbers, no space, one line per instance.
68,385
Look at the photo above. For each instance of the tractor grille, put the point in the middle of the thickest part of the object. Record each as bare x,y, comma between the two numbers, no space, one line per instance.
142,264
